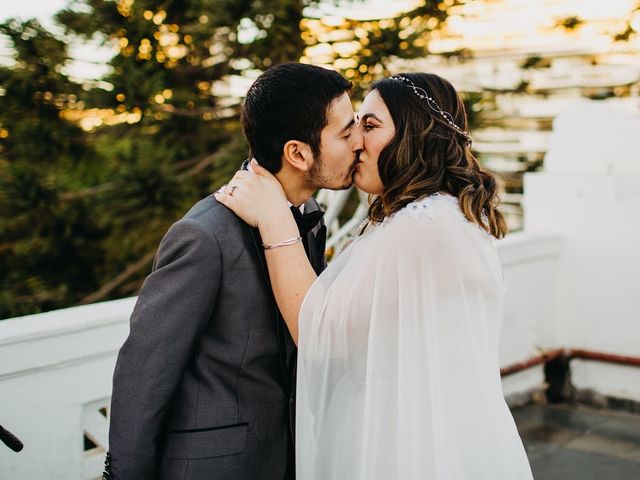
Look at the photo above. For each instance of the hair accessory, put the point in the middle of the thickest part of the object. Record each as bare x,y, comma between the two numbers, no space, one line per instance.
422,94
290,241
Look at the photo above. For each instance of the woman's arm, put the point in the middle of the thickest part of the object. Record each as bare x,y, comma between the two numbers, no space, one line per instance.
290,272
259,200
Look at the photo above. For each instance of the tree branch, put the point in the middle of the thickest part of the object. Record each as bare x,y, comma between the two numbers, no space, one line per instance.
119,279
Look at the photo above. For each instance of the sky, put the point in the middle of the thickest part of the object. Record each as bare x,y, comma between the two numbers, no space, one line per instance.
89,59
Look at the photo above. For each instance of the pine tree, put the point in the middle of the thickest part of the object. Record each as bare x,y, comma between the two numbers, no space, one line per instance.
83,209
48,248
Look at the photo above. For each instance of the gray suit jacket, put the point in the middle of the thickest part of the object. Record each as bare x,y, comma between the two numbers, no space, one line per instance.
203,385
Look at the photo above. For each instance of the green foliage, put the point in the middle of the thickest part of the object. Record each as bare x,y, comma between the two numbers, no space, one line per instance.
48,249
363,50
82,210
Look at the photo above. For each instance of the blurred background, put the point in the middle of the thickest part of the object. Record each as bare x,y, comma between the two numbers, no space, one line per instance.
116,116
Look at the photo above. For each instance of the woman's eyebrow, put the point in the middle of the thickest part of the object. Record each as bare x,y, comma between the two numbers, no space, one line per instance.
370,115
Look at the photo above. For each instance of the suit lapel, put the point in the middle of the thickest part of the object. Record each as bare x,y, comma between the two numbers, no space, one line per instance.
316,240
280,325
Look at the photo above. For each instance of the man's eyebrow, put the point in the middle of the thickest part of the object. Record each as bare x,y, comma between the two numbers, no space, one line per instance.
348,126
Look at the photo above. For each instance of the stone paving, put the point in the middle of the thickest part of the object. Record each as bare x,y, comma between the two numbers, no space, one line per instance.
568,442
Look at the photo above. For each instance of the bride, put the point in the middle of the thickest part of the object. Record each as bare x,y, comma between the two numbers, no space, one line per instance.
398,374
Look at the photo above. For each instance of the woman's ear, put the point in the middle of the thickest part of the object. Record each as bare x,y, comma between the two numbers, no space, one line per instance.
298,154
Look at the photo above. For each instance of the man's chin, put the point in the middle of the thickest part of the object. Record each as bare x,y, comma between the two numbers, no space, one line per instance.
344,184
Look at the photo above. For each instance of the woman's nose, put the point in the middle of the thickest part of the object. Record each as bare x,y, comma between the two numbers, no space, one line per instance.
358,139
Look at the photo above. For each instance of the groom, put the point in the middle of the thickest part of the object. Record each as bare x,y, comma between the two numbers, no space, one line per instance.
203,386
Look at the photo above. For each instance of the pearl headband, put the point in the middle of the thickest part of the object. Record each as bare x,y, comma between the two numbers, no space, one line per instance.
422,94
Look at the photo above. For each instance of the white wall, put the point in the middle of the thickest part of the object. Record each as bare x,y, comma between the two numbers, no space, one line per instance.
56,367
571,278
529,266
589,193
55,373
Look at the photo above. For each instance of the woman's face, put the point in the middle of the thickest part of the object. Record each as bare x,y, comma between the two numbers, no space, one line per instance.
377,126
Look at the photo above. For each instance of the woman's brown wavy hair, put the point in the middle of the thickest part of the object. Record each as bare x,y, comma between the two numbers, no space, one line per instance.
426,155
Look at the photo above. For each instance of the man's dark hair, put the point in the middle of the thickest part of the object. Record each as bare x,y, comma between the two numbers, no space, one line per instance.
287,102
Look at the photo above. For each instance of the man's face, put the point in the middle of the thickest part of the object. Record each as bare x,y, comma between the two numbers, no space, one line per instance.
340,144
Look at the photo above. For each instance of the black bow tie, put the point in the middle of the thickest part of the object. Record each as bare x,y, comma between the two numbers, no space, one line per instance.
306,221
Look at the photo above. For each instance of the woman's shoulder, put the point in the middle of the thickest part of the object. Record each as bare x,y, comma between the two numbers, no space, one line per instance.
436,219
431,208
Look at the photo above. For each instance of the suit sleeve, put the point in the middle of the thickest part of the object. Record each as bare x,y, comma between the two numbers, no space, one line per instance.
173,309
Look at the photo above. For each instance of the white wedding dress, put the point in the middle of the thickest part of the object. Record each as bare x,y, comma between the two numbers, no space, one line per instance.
398,375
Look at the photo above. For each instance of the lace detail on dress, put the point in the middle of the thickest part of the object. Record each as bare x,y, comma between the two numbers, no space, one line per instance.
422,208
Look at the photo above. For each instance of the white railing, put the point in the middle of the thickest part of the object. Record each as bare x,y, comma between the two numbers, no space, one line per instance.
56,367
55,385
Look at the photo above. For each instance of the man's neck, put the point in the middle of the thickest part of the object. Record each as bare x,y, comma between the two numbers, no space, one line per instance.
295,189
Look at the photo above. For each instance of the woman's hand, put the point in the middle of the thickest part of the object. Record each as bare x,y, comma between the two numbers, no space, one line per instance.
256,197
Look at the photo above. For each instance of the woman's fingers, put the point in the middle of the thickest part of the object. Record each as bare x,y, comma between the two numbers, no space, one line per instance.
257,168
225,199
241,174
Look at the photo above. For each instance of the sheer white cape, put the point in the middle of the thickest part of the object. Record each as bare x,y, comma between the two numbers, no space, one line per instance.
398,375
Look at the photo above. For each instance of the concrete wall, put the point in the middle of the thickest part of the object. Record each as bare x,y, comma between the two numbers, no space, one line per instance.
56,367
589,194
55,375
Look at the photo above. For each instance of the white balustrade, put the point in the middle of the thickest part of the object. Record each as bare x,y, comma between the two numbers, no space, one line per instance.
56,367
571,279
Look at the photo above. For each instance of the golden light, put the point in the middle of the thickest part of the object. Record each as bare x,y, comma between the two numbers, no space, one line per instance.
124,7
332,21
361,33
159,17
134,117
167,93
346,49
4,133
148,14
432,23
158,98
168,39
345,63
176,52
319,49
120,97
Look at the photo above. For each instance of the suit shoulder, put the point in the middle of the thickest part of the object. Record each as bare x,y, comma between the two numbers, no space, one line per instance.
213,217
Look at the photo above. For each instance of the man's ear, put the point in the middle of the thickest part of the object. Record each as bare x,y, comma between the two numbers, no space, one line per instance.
298,154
